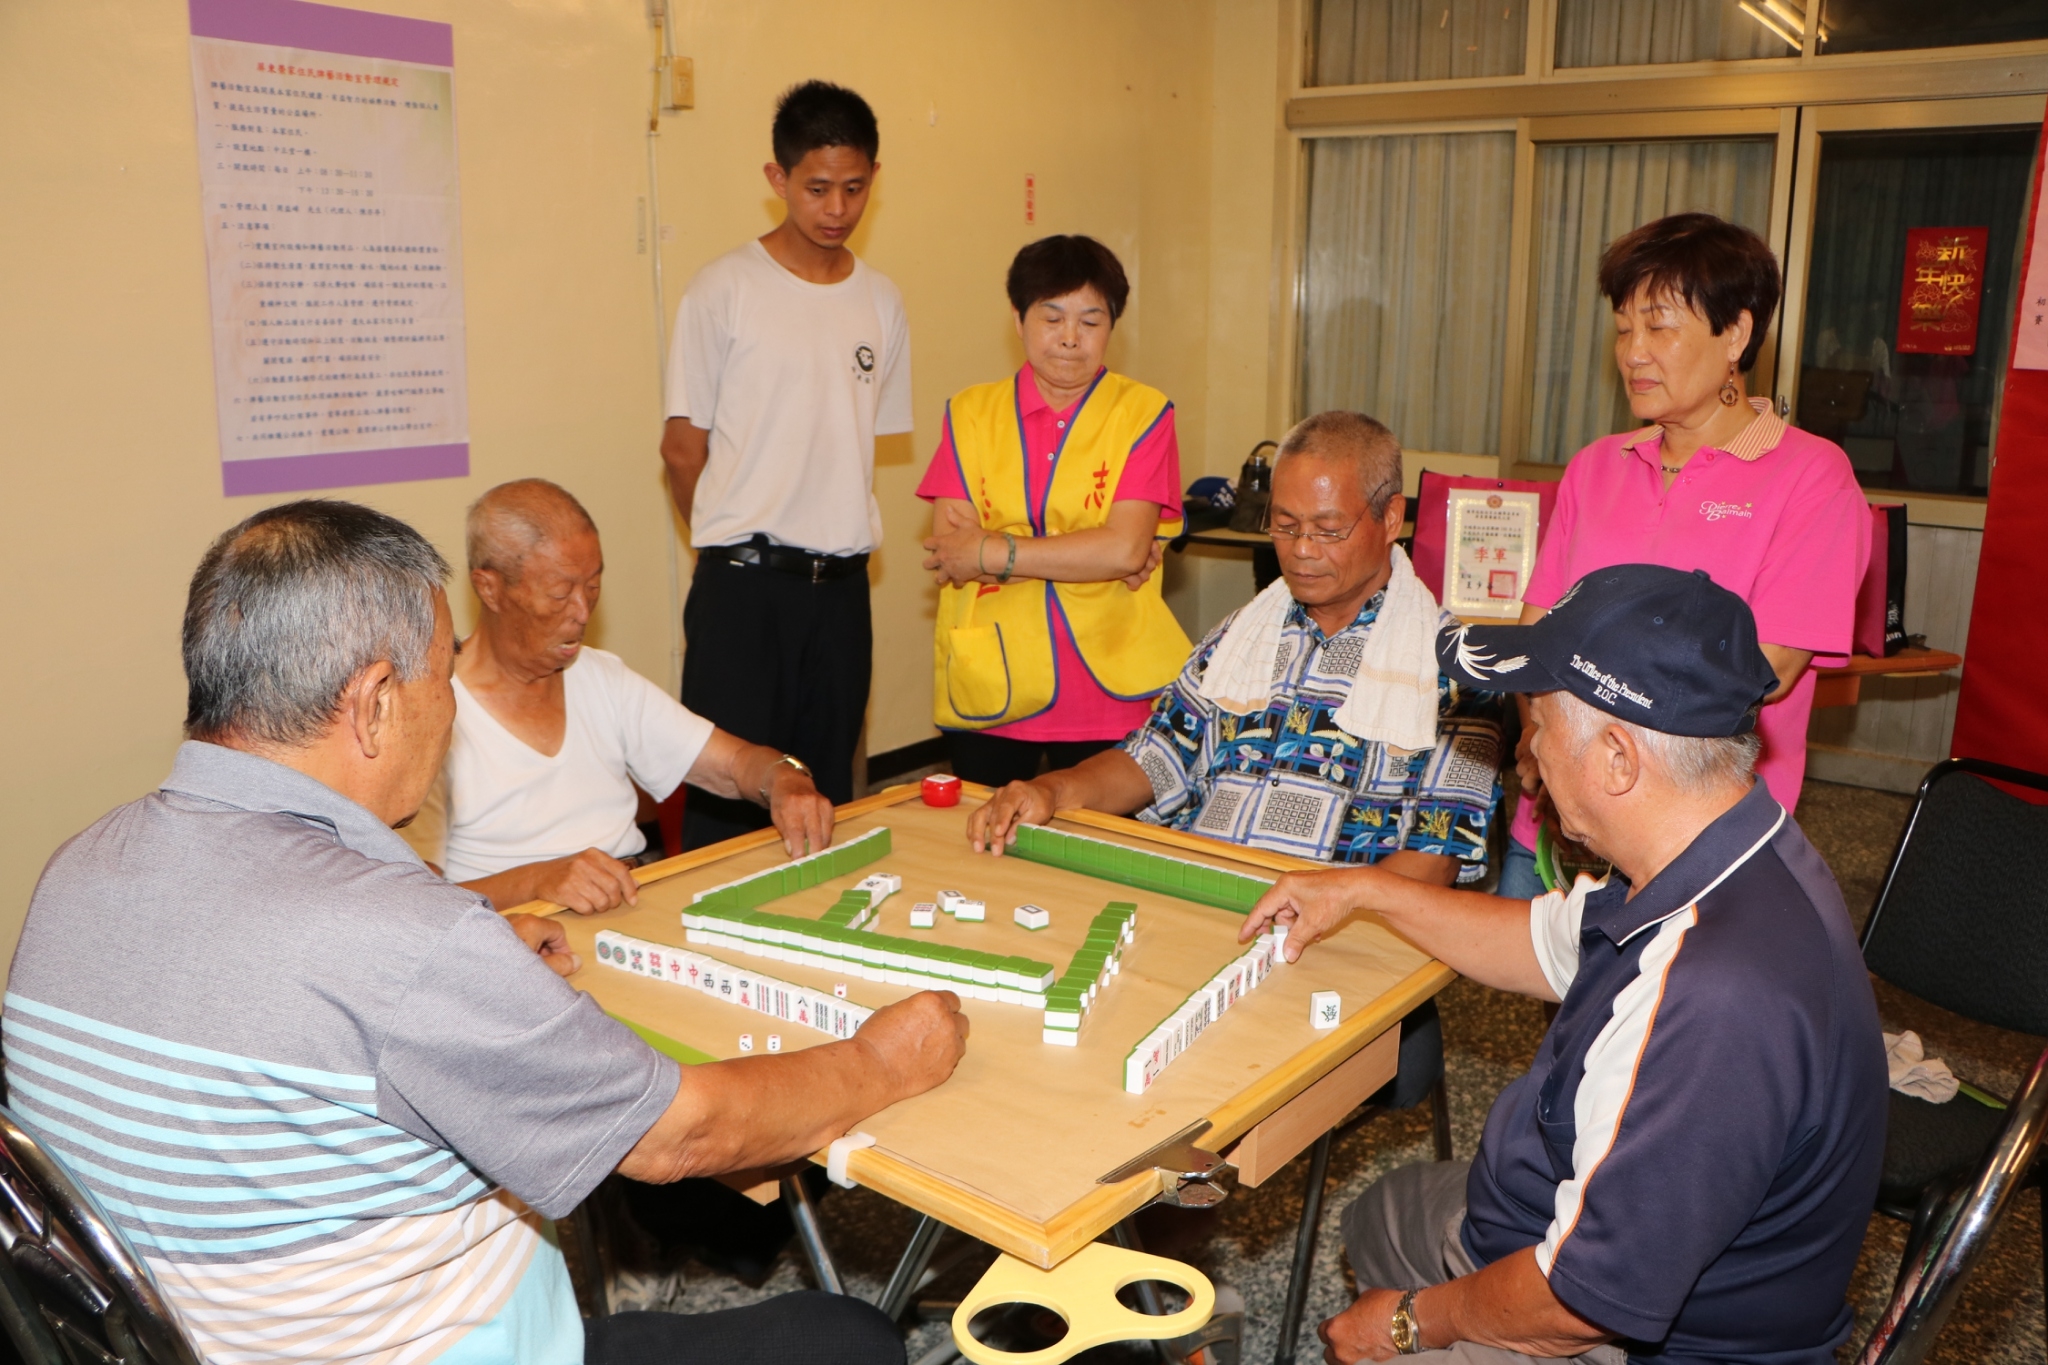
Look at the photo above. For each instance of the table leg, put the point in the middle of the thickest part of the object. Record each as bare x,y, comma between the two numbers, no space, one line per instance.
910,1269
1149,1302
1304,1250
804,1214
583,1258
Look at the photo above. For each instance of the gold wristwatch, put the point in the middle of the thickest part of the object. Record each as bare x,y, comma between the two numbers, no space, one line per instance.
1406,1332
768,778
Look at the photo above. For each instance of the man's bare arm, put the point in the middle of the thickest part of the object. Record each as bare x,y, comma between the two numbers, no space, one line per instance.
766,1110
731,767
684,449
1507,1305
586,882
1111,782
1476,935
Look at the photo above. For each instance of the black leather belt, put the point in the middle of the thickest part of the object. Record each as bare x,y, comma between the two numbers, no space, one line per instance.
763,553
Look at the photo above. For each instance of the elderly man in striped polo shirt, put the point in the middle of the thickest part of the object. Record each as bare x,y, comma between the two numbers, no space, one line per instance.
328,1095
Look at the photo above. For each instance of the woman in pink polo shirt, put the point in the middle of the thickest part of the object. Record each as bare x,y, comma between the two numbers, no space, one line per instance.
1717,481
1048,491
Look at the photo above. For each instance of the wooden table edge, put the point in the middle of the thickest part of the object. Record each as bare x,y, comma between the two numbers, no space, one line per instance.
1908,662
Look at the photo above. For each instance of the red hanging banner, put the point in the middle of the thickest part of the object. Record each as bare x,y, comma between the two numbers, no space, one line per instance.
1999,712
1943,287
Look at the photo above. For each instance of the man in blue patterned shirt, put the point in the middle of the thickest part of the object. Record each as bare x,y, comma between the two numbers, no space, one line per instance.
1298,749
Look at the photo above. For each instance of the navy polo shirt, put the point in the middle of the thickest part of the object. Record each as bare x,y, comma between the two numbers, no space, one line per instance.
1695,1152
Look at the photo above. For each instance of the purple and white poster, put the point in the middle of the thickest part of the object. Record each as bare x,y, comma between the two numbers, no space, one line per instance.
333,244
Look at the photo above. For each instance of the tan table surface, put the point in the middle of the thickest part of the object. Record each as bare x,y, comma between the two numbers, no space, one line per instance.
1009,1149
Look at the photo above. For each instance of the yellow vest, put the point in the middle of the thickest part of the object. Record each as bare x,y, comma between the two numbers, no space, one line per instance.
993,657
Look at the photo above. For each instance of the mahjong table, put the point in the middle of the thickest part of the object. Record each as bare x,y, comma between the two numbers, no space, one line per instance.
1036,1145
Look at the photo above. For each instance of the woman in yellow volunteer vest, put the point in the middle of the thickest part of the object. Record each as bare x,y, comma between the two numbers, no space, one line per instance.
1048,492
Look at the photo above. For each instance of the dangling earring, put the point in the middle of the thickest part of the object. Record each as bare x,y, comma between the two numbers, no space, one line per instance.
1730,395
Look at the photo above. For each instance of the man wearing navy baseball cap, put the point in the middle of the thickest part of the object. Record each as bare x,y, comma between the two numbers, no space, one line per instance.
1686,1172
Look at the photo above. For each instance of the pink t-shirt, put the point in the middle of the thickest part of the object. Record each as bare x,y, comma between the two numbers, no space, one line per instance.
1778,520
1151,474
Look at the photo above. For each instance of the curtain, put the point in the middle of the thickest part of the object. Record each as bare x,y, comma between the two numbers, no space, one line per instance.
1638,32
1587,196
1404,272
1367,42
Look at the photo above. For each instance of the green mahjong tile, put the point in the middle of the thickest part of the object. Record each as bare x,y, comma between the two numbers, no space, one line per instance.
1152,874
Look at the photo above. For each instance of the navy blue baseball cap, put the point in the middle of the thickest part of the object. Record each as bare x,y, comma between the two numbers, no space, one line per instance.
1668,650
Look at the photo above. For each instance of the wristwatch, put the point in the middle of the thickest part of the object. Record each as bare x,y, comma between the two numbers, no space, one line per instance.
1406,1332
769,776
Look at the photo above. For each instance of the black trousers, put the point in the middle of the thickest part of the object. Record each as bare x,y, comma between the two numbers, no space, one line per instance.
813,1328
780,660
994,760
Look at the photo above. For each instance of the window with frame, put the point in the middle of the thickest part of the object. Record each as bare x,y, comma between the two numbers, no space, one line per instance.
1464,165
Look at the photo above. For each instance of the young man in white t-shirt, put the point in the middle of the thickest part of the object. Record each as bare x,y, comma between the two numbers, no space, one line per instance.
790,356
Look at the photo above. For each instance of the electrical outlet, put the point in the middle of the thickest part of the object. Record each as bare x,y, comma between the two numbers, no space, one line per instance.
682,83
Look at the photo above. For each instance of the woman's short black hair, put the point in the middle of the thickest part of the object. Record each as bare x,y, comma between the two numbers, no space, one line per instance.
1054,266
1719,268
819,114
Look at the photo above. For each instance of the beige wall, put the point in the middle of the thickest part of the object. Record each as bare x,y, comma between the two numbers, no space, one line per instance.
1150,123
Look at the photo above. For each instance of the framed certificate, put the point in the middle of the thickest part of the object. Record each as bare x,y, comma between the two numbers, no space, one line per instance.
1491,539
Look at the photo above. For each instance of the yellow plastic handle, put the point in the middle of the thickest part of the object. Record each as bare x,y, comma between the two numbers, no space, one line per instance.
1082,1289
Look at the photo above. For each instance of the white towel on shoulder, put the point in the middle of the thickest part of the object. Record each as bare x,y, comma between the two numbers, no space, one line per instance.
1393,698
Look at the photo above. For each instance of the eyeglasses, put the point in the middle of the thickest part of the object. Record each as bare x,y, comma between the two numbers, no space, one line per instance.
1375,499
1289,534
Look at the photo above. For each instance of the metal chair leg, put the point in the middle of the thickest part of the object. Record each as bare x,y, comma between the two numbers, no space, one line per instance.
1440,1116
910,1269
804,1213
1920,1306
1149,1303
1927,1214
1304,1250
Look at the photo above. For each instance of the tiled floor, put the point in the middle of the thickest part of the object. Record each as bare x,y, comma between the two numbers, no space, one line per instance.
1489,1039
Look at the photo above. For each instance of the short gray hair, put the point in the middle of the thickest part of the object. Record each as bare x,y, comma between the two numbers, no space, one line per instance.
1696,764
291,605
1353,436
509,522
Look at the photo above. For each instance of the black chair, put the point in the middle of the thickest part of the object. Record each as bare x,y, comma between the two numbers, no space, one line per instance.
1931,1281
72,1290
1961,922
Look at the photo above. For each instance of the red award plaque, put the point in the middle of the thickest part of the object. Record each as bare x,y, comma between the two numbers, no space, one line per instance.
1944,284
